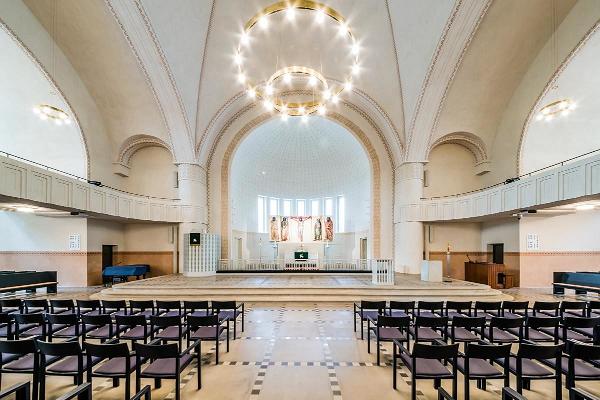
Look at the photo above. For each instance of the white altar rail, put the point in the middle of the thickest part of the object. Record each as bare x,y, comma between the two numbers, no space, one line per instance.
570,180
382,272
203,258
294,265
22,179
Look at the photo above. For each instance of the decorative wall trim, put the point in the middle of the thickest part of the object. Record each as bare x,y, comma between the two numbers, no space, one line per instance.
133,144
468,140
455,39
565,63
391,25
46,253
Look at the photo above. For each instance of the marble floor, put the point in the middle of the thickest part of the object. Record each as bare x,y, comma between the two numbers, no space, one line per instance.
293,351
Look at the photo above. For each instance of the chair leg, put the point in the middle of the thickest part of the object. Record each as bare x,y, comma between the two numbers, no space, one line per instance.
177,388
467,388
34,393
362,329
242,319
527,384
368,339
354,314
217,346
394,366
127,386
413,387
559,387
157,383
199,360
378,351
115,382
234,329
436,383
42,385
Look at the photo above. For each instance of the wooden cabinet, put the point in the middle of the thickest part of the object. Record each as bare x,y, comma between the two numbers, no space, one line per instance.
485,273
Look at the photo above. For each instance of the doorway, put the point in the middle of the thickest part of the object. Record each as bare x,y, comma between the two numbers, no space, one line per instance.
363,248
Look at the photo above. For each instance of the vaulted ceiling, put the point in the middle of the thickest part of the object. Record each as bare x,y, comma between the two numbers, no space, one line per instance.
432,67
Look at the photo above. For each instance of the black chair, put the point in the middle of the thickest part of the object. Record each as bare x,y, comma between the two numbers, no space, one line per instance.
457,309
167,328
475,364
467,329
533,329
545,308
61,306
144,394
72,361
579,394
196,308
388,329
114,307
169,308
142,307
511,394
582,363
401,309
20,357
89,307
488,309
120,363
11,306
367,309
573,309
206,328
35,306
229,311
501,330
30,325
513,309
525,366
132,327
6,326
593,308
577,328
429,329
430,309
100,327
21,391
425,362
81,392
64,325
166,362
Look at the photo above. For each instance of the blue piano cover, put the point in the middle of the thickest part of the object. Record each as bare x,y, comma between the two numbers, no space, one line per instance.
126,270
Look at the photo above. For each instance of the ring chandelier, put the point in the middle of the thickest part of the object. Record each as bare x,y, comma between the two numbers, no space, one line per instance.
556,108
316,81
47,112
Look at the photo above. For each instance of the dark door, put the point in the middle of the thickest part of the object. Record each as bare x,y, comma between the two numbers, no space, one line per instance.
108,251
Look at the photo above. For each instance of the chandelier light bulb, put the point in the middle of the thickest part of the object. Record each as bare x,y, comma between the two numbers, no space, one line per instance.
269,89
312,81
263,22
348,86
572,106
68,121
241,78
327,94
355,49
284,116
322,110
251,93
268,105
238,58
564,112
335,99
36,110
304,118
284,109
320,15
302,110
43,117
343,28
355,69
245,38
290,12
58,122
539,117
287,78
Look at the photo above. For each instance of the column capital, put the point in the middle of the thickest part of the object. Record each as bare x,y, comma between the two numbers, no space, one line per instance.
410,170
191,171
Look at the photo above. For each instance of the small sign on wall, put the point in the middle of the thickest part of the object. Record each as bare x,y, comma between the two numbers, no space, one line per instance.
533,241
75,242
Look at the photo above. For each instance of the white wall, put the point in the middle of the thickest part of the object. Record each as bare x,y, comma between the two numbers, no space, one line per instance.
569,232
450,170
152,173
501,231
102,232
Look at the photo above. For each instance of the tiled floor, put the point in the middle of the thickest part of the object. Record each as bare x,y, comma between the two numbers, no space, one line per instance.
294,351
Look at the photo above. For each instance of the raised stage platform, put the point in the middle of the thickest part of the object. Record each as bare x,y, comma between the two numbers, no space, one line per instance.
297,287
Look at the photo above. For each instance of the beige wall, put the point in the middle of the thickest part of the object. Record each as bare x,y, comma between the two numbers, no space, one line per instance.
152,173
450,170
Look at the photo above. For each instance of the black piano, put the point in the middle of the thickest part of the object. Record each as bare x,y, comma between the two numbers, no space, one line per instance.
12,281
121,273
580,282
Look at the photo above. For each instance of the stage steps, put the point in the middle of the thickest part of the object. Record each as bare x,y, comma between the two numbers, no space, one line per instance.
304,288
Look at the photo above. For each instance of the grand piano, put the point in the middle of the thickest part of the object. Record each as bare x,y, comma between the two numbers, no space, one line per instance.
121,273
12,281
580,282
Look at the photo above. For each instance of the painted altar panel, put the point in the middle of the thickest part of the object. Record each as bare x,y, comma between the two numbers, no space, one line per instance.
301,229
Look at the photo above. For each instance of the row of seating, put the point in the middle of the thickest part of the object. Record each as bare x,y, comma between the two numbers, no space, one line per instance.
156,331
22,391
553,339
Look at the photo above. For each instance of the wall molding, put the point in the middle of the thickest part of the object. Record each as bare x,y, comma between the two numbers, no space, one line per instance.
133,144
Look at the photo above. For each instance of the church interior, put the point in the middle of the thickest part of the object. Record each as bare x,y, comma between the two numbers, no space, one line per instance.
298,199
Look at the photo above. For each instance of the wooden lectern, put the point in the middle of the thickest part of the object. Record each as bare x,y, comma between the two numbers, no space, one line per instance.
484,272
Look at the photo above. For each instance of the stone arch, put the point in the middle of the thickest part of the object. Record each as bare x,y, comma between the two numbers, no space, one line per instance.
130,146
471,142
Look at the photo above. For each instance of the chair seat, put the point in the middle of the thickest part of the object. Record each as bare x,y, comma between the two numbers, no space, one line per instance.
501,336
464,335
426,367
116,366
67,332
398,313
479,368
102,332
68,365
173,313
585,331
165,367
535,335
4,331
582,369
206,333
370,314
426,314
426,334
508,314
171,333
199,313
145,313
37,331
452,314
389,333
6,358
24,363
571,335
26,327
137,332
90,312
575,313
530,368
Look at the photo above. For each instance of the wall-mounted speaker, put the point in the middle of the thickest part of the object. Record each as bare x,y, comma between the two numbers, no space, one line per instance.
194,239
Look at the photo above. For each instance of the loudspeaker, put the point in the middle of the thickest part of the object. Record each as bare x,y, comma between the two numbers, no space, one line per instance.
194,239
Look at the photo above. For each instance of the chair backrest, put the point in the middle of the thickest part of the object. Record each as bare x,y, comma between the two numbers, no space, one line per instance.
31,318
515,306
31,304
583,351
368,305
168,305
69,348
96,320
459,306
487,351
224,305
62,319
141,305
402,305
11,304
573,306
195,305
431,322
393,322
546,306
130,320
541,322
198,321
107,350
435,351
5,318
431,306
580,322
62,303
539,352
165,321
17,347
113,305
594,305
487,306
170,350
468,322
87,305
506,323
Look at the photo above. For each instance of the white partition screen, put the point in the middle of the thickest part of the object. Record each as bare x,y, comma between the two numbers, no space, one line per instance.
201,253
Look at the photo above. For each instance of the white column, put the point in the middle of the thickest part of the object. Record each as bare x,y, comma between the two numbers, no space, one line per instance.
408,234
193,195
